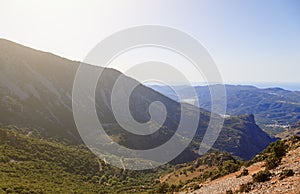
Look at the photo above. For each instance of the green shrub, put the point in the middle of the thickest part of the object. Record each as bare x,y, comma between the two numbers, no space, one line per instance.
174,188
185,172
295,139
272,162
276,151
277,148
245,172
262,176
230,167
286,173
162,188
246,188
195,186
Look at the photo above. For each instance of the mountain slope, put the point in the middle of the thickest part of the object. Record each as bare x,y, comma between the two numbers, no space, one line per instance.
279,181
29,164
36,89
221,173
32,165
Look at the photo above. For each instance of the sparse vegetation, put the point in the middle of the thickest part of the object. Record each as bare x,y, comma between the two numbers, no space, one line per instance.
277,148
272,155
286,173
31,165
245,172
163,188
246,188
262,176
211,166
276,151
272,162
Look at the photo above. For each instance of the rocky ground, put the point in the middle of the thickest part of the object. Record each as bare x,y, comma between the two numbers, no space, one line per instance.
275,185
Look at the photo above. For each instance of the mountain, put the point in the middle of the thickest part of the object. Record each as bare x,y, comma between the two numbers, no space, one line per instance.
36,93
274,108
36,90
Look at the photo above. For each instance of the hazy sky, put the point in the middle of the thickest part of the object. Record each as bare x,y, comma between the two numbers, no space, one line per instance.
249,40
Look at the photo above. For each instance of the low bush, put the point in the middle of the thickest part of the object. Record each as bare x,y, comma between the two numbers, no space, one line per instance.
272,162
286,173
245,172
277,148
246,188
262,176
195,186
163,188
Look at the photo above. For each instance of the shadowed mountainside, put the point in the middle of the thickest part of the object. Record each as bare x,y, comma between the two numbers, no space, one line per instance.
36,92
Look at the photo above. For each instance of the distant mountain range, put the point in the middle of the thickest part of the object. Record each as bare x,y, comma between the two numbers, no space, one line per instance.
291,86
36,93
274,108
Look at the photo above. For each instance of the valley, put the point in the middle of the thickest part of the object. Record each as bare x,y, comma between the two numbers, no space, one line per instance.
150,97
42,151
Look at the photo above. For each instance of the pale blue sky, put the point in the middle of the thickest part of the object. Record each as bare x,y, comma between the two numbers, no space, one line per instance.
250,41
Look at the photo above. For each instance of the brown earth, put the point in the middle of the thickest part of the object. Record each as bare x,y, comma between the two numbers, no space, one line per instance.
231,182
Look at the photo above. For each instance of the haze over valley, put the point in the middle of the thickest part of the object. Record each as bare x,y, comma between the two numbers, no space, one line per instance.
150,97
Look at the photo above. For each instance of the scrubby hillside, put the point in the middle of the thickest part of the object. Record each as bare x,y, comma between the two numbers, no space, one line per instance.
32,165
276,170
